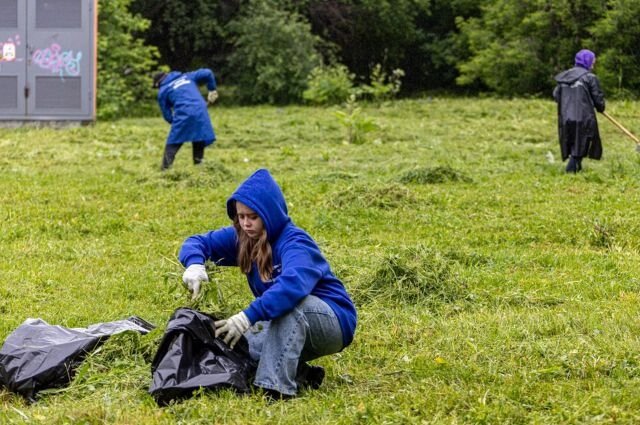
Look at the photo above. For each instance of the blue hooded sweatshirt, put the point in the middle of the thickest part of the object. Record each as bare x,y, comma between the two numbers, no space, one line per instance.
184,107
299,268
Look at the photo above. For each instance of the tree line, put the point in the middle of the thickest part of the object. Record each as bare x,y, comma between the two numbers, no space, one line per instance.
267,49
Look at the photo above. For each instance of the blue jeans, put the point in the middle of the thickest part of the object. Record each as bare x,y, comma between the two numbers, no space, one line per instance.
309,331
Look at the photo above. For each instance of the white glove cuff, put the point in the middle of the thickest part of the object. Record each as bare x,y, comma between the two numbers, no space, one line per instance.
244,320
197,267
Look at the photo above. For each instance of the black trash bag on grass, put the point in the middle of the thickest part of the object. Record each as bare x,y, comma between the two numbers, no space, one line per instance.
191,357
38,356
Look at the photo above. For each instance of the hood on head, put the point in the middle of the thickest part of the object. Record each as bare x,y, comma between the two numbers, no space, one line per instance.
167,78
261,193
157,79
585,59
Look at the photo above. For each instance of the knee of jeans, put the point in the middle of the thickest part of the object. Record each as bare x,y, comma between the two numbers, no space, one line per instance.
292,319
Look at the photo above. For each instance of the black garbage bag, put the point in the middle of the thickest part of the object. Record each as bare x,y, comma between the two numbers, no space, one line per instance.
37,356
191,357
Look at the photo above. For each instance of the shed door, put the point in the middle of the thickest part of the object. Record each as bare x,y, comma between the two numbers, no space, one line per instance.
60,65
13,54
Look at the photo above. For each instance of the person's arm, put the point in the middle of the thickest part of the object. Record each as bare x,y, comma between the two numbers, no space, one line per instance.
204,76
165,106
218,246
596,93
556,93
300,274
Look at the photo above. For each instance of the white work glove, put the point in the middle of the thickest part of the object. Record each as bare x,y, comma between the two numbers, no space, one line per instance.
212,96
193,278
234,327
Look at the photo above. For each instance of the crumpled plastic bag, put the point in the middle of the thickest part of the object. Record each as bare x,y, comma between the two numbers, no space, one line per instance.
37,355
191,357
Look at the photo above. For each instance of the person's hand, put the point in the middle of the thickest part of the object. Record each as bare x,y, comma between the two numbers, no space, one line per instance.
233,327
212,96
193,277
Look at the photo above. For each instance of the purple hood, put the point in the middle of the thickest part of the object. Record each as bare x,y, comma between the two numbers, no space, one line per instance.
585,59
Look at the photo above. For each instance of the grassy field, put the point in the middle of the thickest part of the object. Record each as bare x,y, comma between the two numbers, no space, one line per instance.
491,287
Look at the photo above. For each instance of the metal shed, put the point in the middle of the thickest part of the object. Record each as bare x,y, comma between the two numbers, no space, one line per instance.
48,60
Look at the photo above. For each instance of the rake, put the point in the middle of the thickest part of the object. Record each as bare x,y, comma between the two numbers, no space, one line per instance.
624,130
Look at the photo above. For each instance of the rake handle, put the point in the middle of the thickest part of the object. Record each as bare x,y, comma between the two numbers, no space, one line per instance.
621,127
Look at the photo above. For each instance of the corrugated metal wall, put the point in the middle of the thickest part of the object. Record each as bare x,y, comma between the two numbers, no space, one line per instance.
47,60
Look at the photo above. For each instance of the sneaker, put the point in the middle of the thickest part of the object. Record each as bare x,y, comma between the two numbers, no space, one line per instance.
273,395
310,376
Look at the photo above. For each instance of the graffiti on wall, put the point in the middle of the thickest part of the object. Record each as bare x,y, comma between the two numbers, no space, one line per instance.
54,59
8,49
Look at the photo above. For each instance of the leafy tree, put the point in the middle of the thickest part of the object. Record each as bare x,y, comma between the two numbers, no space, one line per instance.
384,29
617,37
434,60
418,36
124,62
189,33
369,32
509,47
274,52
516,47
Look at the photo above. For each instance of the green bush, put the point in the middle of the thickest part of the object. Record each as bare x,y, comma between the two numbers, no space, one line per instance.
124,62
274,53
382,86
355,122
329,85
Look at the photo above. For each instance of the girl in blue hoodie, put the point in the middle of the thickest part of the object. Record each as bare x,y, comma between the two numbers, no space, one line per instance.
302,310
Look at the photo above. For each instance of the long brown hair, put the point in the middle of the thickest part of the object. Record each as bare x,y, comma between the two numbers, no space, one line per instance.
250,250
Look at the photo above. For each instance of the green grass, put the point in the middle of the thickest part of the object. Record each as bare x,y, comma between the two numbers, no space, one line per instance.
491,287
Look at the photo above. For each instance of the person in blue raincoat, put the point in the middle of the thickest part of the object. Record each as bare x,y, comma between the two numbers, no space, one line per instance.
301,310
183,107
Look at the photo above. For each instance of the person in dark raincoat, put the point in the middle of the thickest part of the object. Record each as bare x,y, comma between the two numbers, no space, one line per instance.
301,310
184,108
577,93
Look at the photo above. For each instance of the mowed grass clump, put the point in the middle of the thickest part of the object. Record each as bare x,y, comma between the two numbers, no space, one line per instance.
381,196
602,235
414,275
210,173
432,175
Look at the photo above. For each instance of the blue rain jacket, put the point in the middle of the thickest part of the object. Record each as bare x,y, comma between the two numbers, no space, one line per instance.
184,107
299,268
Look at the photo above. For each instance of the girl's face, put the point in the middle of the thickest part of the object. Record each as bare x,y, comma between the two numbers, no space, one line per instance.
249,221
